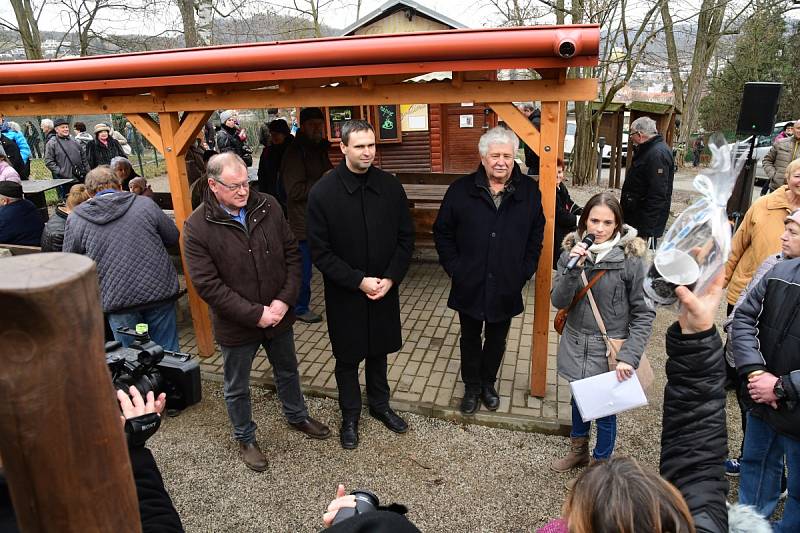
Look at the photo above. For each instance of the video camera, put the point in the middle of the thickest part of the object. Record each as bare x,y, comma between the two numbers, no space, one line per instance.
149,367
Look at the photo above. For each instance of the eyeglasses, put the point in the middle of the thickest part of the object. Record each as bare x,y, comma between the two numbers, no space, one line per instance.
243,186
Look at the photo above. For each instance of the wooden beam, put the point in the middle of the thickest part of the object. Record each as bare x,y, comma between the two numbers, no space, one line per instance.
519,123
181,203
551,128
398,93
458,80
191,124
147,127
63,447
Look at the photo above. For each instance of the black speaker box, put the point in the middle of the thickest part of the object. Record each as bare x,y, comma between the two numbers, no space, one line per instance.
759,108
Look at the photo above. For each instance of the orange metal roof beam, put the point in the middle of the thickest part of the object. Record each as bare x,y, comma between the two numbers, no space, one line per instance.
569,45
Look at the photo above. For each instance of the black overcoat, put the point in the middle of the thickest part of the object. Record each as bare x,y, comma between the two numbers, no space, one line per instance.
647,190
360,228
488,252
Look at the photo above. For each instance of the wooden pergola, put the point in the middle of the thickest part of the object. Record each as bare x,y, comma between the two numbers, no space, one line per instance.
184,87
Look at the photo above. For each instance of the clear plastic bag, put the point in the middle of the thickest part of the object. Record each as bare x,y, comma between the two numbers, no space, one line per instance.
698,243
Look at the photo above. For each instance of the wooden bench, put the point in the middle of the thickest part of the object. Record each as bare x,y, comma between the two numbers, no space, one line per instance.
424,202
17,249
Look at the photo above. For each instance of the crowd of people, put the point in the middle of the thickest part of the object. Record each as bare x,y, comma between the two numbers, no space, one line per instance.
352,222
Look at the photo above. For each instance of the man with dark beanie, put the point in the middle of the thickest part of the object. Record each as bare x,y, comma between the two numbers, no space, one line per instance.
304,163
269,165
20,222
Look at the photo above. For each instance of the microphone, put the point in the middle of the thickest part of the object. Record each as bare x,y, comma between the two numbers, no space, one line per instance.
586,242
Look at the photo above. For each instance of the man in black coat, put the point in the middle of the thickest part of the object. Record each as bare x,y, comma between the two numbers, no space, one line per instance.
361,237
489,236
647,191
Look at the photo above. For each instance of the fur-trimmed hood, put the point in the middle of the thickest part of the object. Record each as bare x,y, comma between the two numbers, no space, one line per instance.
745,519
631,245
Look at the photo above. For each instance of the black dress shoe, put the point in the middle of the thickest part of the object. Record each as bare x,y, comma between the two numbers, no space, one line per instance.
348,435
390,419
490,398
470,403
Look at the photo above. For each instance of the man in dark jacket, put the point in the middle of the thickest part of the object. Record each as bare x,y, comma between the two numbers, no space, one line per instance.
20,222
269,165
489,236
765,337
362,238
531,159
304,163
243,261
63,155
127,235
647,191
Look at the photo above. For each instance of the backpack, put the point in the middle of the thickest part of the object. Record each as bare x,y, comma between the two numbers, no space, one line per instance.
15,157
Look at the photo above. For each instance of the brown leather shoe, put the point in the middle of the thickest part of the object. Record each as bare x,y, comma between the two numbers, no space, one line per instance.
252,456
312,428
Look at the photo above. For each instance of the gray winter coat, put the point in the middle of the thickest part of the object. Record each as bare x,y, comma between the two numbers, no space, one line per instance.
126,236
778,158
620,299
60,162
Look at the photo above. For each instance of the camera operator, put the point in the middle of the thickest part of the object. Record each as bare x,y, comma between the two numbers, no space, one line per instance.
141,419
388,519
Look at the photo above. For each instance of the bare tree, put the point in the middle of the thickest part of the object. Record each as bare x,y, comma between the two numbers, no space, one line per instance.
313,10
198,19
27,13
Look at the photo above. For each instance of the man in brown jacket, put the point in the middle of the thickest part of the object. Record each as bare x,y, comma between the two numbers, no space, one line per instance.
303,164
244,263
779,157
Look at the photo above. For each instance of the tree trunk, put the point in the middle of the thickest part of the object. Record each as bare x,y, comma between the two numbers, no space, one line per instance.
186,8
672,57
205,22
28,28
709,24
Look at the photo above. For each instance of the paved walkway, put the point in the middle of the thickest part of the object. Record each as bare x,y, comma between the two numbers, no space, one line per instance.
425,375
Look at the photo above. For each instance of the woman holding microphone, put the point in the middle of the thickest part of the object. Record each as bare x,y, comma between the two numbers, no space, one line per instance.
613,267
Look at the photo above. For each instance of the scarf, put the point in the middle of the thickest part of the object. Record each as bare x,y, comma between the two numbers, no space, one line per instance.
599,251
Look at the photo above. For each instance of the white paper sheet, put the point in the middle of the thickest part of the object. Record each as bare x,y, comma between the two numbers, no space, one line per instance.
603,395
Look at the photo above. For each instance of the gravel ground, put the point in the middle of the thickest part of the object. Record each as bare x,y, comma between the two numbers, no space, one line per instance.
452,477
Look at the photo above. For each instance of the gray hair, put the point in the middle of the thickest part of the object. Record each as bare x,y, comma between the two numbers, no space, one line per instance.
352,126
46,123
497,135
101,178
645,126
121,162
13,125
218,163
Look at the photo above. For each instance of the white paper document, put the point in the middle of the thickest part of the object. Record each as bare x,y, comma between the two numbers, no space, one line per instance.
603,395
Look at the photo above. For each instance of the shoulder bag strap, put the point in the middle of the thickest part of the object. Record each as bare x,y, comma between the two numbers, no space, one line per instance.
585,290
599,318
58,142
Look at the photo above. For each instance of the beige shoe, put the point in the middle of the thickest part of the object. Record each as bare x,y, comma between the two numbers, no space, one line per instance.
252,456
578,455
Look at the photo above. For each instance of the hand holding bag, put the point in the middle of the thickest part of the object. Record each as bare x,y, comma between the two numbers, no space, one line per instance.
561,316
644,372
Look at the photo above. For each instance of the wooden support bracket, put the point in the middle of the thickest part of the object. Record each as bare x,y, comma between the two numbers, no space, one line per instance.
191,124
147,127
458,80
519,123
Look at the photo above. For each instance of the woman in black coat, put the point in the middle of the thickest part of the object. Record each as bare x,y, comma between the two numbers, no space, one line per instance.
567,213
489,236
103,148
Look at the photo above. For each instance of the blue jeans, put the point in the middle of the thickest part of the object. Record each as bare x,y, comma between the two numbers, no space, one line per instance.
762,470
161,325
304,298
606,432
237,363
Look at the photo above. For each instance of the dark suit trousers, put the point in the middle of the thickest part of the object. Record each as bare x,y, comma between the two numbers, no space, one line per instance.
350,390
480,362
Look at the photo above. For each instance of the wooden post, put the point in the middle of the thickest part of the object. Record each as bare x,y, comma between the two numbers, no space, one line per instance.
176,138
550,130
61,439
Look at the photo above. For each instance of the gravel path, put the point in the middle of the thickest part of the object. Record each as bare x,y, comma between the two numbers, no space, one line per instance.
452,477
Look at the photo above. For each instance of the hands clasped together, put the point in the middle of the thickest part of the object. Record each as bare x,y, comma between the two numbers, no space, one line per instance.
375,288
273,314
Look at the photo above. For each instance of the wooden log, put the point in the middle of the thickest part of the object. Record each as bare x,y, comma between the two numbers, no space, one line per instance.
63,448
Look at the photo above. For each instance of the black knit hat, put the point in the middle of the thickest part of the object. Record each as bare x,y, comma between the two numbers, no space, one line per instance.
10,189
310,113
279,126
60,122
